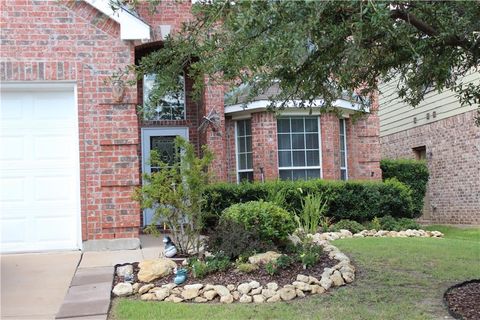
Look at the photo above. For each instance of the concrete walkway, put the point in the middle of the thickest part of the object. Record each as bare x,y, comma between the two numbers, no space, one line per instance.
33,285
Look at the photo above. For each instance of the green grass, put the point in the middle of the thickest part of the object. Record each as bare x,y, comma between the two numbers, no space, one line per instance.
397,278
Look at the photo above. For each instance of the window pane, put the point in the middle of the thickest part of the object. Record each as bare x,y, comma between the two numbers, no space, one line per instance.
169,107
241,128
343,174
297,125
298,175
249,161
298,141
242,161
313,174
283,125
245,176
249,144
284,159
241,144
248,126
286,174
311,141
311,125
298,158
313,158
342,128
284,141
342,159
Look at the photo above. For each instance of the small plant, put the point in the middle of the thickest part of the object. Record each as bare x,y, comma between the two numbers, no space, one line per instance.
310,253
247,267
352,226
284,261
387,223
218,263
376,224
199,268
314,207
271,268
325,223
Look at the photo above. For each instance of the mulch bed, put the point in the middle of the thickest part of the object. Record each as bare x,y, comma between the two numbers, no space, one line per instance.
283,277
463,300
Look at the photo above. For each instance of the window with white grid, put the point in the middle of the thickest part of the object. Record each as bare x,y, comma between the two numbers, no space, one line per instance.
244,150
343,150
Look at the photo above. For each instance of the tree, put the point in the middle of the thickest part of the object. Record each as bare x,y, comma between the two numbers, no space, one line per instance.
175,192
314,49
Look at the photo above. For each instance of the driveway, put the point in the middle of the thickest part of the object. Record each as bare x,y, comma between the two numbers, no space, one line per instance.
33,285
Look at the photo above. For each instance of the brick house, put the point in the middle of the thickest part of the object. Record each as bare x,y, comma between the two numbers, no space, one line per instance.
443,133
71,157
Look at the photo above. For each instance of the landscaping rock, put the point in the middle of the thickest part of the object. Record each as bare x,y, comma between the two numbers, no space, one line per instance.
302,278
294,239
258,298
264,258
135,287
275,298
348,277
210,294
189,294
287,293
231,287
316,289
126,270
245,298
326,282
169,286
300,293
358,235
209,287
302,286
162,293
236,295
268,293
312,280
173,298
222,291
337,279
197,286
200,300
227,298
244,288
256,291
155,268
254,284
272,286
123,289
145,288
148,297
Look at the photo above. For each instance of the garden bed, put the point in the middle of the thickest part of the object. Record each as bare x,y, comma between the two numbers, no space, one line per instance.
463,300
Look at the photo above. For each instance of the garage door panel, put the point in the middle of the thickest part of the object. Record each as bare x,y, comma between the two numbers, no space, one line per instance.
39,171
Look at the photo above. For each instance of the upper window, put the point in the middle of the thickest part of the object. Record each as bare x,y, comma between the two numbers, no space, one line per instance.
244,150
343,150
168,107
299,148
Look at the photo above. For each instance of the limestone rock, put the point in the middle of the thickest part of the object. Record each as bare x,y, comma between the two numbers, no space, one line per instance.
258,298
236,295
126,270
303,278
312,280
145,288
254,284
123,289
294,239
210,294
135,287
287,293
226,298
197,286
275,298
189,294
174,298
302,286
231,287
316,289
326,282
200,300
245,298
348,277
337,279
256,291
222,291
162,293
268,293
345,233
155,268
209,287
148,297
169,286
272,286
244,288
300,293
264,258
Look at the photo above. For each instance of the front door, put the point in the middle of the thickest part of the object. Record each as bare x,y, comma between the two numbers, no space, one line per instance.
163,141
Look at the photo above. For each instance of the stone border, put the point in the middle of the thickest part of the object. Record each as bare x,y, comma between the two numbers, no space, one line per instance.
341,274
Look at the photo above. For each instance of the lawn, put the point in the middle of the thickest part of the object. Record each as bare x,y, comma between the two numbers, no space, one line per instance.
397,278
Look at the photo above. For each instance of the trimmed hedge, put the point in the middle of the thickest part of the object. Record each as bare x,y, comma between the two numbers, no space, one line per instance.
354,200
413,173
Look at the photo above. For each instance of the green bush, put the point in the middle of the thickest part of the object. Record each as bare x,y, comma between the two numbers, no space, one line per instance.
272,222
405,223
284,261
247,267
352,226
413,173
271,268
353,200
392,224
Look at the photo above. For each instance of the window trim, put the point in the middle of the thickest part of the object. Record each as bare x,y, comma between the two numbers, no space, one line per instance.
344,123
320,159
237,149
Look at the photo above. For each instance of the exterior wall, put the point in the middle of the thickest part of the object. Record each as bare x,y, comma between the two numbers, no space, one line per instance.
453,158
264,146
397,116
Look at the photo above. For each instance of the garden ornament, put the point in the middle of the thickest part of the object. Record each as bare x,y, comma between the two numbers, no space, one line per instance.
181,276
170,249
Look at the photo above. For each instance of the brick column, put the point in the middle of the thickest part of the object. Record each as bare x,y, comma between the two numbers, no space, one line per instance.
330,134
264,145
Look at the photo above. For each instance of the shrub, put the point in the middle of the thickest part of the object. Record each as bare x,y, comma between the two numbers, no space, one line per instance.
413,173
271,268
247,267
388,223
392,224
199,268
350,225
314,207
284,261
218,263
233,240
359,201
405,223
271,222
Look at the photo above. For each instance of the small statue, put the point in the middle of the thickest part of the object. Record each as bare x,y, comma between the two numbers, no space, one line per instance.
170,249
180,276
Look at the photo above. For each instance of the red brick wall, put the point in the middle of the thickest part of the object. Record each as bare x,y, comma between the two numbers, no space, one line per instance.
453,158
264,145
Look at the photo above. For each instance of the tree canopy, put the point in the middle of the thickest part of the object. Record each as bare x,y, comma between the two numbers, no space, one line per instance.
313,49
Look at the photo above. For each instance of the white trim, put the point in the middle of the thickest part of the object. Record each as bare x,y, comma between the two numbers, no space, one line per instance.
61,85
131,27
346,148
261,105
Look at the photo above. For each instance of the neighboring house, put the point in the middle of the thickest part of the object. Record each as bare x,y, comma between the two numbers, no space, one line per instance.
443,133
71,157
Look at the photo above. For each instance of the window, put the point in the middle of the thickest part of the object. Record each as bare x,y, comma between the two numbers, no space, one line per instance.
169,107
244,150
299,148
343,150
420,153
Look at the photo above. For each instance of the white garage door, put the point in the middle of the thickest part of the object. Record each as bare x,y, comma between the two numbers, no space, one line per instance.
39,168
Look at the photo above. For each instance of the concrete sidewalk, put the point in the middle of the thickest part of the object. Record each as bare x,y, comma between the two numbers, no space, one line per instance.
33,285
